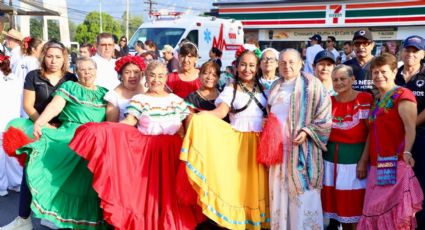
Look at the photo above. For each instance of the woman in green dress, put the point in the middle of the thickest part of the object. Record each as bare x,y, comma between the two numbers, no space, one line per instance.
58,178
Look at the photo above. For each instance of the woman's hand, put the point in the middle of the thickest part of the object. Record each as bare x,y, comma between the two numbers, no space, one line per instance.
301,137
361,169
37,130
408,159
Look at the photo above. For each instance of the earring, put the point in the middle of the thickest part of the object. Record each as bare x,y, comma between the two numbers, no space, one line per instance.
146,84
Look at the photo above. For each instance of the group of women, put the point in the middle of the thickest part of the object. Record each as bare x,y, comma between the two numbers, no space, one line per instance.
158,153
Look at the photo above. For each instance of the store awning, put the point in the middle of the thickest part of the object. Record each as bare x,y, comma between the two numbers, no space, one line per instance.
30,9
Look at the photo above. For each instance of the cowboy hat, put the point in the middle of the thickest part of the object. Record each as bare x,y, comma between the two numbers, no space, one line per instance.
12,33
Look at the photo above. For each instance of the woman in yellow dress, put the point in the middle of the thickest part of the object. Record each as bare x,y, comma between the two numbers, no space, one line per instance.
220,158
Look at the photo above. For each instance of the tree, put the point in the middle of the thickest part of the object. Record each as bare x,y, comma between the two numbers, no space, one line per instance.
36,28
133,23
53,29
72,30
87,31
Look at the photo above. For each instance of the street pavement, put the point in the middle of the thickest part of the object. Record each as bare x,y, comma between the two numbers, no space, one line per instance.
9,206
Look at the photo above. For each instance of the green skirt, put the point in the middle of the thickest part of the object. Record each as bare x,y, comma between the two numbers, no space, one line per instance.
59,181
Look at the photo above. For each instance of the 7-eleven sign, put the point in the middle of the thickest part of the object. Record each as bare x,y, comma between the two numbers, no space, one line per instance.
335,14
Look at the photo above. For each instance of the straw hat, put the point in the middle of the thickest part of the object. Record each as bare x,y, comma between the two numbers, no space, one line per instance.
12,33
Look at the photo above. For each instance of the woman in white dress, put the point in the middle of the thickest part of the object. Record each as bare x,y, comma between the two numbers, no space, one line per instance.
130,70
302,108
11,90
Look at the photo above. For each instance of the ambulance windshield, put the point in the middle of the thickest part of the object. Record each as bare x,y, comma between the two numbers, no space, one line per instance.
161,36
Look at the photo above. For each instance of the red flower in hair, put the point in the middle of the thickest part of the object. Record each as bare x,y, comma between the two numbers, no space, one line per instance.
240,50
120,63
3,57
26,41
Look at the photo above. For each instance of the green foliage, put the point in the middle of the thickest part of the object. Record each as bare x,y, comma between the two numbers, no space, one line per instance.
87,31
133,23
53,29
36,27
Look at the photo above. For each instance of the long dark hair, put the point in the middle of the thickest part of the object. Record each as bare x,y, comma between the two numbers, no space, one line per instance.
237,81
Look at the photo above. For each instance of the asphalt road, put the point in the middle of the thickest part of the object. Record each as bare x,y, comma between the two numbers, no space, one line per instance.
9,210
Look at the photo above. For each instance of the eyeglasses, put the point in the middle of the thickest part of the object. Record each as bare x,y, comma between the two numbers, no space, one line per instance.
268,59
364,43
329,41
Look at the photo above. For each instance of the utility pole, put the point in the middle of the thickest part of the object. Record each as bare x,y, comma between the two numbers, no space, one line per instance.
100,15
151,3
127,19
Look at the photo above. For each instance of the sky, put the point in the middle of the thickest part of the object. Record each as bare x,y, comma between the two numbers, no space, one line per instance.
77,9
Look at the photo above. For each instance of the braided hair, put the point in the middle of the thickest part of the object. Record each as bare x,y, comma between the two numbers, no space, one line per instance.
237,81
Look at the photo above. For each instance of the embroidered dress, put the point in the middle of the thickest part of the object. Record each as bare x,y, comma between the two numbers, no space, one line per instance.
295,182
116,100
221,164
58,179
135,169
390,206
182,88
343,193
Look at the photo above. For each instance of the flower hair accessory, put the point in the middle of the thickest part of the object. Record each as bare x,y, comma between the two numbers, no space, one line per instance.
120,63
3,58
249,47
26,41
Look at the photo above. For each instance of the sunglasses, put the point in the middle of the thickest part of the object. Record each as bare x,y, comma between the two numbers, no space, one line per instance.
124,40
328,41
363,43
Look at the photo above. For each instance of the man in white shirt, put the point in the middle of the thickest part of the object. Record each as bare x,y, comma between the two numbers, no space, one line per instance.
13,42
106,76
330,46
311,52
348,52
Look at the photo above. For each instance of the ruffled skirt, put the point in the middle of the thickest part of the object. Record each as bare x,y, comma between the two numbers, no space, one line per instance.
221,165
392,206
135,176
59,180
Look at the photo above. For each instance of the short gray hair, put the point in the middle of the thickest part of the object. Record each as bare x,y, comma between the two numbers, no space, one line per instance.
347,70
84,59
155,64
291,50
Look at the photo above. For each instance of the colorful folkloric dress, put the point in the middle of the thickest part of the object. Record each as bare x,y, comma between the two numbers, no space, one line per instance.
296,171
135,169
117,101
58,179
343,192
221,164
392,197
182,88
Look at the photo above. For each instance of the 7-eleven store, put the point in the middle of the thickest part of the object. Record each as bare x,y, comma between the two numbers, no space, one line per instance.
282,24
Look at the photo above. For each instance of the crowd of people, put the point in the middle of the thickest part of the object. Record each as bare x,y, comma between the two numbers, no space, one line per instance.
141,142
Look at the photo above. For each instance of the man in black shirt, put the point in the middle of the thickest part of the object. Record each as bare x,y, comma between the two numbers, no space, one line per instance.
412,76
363,46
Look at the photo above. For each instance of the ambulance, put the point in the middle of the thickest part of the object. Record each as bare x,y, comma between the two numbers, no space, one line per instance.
206,32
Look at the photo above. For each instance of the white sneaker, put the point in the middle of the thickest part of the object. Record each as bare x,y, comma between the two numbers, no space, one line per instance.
19,224
3,193
48,223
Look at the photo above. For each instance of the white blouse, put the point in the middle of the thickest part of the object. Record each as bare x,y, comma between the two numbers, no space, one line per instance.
249,120
11,98
158,115
280,101
118,101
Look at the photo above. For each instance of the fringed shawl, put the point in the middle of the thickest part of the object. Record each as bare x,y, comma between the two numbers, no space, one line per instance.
310,111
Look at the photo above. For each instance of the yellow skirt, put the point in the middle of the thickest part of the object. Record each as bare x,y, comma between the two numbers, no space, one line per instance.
221,164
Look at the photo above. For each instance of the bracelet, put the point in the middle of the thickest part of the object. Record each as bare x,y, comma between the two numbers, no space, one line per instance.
408,153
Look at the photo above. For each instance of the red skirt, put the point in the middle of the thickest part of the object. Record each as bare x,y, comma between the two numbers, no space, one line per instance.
135,176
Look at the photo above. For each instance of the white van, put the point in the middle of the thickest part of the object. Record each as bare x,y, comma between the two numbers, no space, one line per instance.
206,32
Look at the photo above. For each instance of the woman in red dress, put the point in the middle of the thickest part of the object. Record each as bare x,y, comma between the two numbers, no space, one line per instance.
187,79
393,194
135,169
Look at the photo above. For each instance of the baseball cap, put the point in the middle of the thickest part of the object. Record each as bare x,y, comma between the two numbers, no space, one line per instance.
322,55
316,37
167,49
366,34
416,41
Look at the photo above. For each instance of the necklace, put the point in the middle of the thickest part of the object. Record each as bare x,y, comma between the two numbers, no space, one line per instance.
205,98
